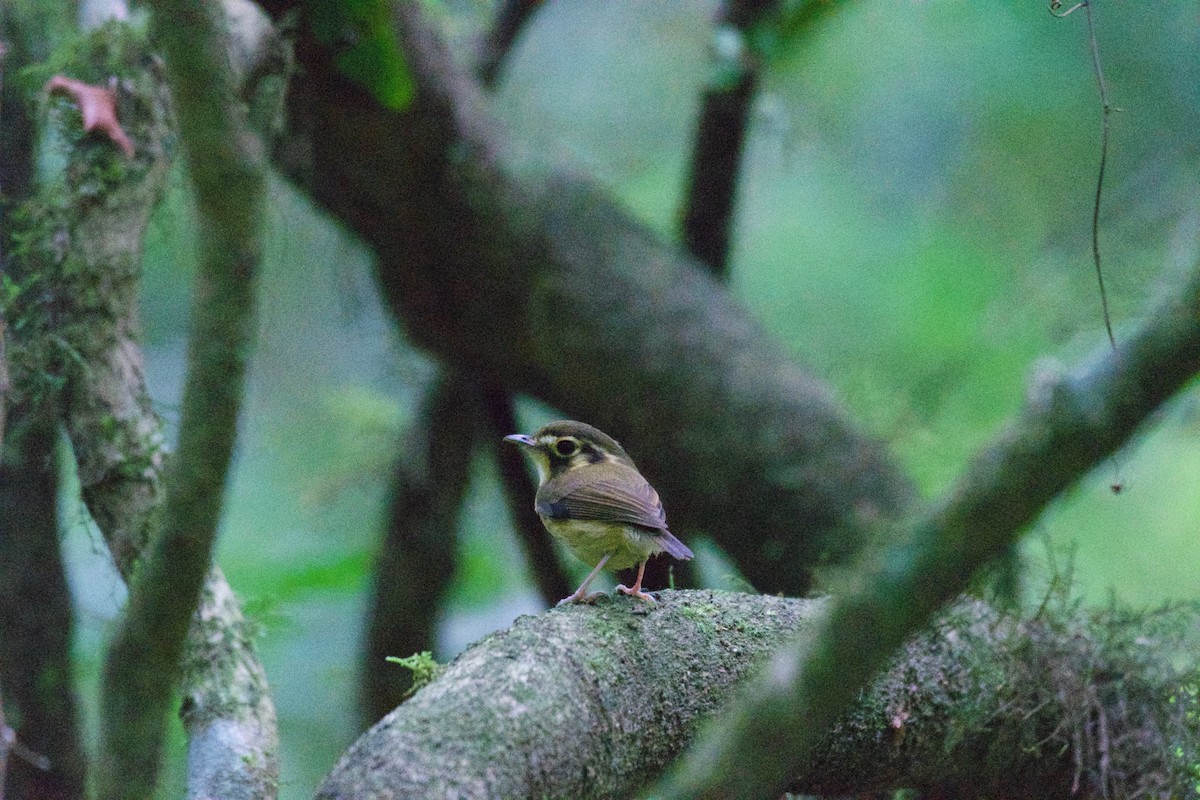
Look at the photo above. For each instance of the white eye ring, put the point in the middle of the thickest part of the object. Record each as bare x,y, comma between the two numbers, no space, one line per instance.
566,447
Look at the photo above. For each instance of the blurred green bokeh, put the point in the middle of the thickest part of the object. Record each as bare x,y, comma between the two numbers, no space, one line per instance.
913,224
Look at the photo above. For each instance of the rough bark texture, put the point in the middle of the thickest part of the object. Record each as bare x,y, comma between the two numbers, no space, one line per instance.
535,278
227,710
578,702
591,702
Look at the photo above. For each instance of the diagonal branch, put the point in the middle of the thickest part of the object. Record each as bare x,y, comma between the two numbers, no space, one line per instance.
1070,423
510,20
532,277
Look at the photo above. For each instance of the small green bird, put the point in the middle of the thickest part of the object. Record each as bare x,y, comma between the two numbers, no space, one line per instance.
592,498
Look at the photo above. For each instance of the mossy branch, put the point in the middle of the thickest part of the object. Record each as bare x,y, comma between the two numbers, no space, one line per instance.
226,163
1071,422
587,702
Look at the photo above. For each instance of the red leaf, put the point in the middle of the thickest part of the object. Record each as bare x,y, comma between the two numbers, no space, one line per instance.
97,106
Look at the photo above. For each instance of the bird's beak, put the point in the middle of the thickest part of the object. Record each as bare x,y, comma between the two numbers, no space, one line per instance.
521,439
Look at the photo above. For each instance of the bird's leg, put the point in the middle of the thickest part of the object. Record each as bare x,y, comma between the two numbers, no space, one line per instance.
581,595
636,591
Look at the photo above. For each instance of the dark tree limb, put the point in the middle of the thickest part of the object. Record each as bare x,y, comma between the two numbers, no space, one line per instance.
36,619
535,279
519,491
509,22
418,557
1071,422
226,164
720,136
601,698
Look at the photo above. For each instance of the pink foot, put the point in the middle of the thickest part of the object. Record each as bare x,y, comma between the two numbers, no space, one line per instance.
580,597
636,591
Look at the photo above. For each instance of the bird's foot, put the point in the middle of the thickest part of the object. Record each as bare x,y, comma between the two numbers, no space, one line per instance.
636,591
580,597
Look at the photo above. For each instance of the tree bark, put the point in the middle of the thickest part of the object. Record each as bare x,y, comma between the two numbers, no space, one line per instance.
592,702
533,277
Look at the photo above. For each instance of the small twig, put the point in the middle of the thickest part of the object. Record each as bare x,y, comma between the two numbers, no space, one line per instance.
1107,107
1104,126
10,744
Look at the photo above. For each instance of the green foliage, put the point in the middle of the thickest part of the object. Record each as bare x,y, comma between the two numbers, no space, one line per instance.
1188,699
424,669
359,34
113,50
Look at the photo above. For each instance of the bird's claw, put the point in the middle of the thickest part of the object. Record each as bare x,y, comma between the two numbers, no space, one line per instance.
579,597
635,592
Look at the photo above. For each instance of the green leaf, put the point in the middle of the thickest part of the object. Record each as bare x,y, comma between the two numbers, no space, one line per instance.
359,34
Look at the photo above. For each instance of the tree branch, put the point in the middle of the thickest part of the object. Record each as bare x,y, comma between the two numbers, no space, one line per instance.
36,619
720,135
226,165
532,277
520,491
1070,423
510,20
417,558
600,697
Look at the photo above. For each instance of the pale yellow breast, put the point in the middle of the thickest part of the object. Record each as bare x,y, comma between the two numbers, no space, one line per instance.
591,540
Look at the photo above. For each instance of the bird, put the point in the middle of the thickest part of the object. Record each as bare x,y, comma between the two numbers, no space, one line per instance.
592,497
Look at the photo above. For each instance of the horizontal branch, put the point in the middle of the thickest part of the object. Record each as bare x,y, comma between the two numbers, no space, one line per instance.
589,702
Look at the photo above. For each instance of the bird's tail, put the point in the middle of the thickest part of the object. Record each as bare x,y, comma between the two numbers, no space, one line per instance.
675,547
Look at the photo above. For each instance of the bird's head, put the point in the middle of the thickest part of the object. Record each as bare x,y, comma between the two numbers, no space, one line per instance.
567,445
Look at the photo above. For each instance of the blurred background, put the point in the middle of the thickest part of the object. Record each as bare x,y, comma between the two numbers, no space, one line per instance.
914,224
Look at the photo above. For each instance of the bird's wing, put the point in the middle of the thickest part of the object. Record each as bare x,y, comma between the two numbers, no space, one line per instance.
625,499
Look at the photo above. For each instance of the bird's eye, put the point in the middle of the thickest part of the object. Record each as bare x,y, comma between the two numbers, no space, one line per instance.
566,447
